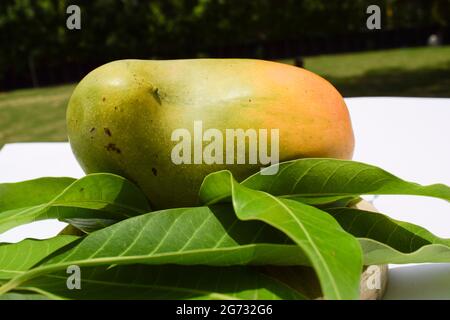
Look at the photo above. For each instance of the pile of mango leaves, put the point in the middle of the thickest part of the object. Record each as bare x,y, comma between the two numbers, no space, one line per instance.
246,241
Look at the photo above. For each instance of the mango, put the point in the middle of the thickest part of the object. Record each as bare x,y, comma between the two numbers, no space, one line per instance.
122,116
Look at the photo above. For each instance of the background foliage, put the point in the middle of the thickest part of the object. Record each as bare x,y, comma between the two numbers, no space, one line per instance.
37,48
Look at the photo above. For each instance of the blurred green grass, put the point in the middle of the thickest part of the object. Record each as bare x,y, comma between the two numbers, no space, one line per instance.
415,72
39,114
34,114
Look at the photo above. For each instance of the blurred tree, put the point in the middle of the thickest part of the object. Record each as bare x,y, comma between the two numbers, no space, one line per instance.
38,48
440,12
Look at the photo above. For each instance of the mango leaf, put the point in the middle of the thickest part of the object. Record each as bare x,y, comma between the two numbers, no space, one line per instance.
334,254
95,196
18,194
385,240
89,225
15,258
184,236
332,177
327,201
23,296
202,235
165,282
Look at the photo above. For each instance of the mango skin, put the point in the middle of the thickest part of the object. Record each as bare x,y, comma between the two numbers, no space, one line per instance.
121,116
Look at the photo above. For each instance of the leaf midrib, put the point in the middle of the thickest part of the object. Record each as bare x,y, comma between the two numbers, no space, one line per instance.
30,210
219,296
312,242
313,245
55,199
30,274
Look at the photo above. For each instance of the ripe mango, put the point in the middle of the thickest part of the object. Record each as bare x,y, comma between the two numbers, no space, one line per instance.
121,117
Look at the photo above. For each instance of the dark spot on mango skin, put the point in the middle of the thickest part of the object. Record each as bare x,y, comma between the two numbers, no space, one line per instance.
82,189
92,132
155,173
156,95
104,99
113,147
107,132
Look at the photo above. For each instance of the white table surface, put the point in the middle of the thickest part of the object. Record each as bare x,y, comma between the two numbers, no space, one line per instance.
409,137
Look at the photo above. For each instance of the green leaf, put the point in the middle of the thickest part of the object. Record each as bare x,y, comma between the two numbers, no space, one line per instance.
203,235
96,196
327,201
90,225
185,236
166,282
385,240
15,258
335,255
220,193
23,296
331,177
18,194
